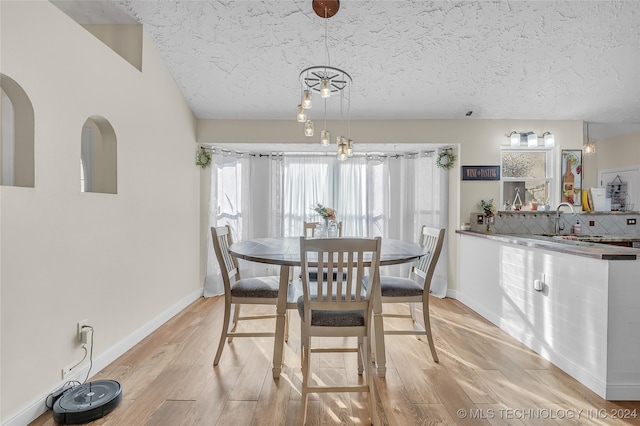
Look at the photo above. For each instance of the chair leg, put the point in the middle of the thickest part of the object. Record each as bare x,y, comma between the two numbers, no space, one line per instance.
372,400
361,355
236,316
427,328
286,326
305,355
414,318
223,333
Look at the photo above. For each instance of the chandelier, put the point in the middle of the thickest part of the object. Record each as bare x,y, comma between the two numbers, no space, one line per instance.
328,82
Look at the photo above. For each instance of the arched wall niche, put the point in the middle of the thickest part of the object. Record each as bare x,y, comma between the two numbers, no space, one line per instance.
17,147
98,156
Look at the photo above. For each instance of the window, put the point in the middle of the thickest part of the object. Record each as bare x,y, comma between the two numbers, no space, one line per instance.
529,174
309,180
229,201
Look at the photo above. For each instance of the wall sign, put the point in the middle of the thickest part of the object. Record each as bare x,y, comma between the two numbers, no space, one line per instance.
480,172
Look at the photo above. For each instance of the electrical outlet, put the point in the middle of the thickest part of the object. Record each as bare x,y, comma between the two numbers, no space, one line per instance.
67,370
81,324
631,221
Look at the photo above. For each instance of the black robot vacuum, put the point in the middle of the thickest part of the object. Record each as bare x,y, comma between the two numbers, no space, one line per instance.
87,402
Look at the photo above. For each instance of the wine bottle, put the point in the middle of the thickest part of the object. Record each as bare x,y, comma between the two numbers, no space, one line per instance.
568,183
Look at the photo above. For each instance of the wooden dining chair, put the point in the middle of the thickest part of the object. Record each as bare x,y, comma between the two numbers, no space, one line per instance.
309,230
337,308
239,291
414,289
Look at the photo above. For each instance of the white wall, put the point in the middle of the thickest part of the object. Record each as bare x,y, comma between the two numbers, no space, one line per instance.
618,152
119,260
477,142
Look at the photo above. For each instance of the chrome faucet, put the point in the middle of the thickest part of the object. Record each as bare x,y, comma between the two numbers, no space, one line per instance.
557,227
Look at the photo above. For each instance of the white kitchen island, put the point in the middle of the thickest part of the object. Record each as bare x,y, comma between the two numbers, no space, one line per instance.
585,317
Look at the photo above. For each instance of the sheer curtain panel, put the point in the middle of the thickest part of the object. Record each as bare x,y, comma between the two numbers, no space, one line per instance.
390,196
228,200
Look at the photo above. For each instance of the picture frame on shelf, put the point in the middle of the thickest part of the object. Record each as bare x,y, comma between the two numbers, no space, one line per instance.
571,176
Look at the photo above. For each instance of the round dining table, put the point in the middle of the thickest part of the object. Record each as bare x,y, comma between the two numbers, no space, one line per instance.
285,252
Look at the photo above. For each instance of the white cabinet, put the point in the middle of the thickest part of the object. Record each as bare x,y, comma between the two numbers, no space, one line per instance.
585,320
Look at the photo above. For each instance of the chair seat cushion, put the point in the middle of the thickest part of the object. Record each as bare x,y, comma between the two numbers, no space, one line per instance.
321,318
398,287
264,287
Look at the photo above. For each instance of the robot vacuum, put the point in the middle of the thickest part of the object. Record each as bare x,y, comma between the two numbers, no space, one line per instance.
87,402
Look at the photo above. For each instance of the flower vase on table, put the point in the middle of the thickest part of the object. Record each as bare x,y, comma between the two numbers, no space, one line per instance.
321,230
332,229
328,215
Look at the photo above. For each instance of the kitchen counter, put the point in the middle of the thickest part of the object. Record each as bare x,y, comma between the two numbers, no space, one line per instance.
583,248
576,303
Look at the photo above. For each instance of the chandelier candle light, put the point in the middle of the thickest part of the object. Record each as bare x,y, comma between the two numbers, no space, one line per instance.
327,81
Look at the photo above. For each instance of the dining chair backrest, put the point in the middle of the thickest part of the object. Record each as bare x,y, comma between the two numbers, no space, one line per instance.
432,239
222,239
309,229
346,261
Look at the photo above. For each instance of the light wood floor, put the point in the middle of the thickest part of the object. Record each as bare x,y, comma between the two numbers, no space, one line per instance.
484,377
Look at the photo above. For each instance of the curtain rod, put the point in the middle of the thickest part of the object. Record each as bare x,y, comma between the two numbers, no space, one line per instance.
409,154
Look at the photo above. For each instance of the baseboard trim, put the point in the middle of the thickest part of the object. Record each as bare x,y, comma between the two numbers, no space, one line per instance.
38,406
532,343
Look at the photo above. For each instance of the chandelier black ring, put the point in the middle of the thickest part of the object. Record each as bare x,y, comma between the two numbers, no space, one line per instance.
338,79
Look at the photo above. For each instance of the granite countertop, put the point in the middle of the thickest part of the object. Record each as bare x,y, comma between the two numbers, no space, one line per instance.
575,247
609,237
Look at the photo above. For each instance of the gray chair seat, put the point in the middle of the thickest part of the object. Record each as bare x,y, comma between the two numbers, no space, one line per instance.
332,318
399,286
256,287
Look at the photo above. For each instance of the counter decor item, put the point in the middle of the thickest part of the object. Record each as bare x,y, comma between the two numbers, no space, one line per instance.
488,209
517,201
571,176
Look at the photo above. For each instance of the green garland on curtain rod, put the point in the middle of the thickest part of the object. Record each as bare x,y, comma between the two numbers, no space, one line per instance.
203,158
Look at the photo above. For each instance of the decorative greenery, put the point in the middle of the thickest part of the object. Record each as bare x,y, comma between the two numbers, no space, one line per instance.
446,158
203,158
327,213
487,207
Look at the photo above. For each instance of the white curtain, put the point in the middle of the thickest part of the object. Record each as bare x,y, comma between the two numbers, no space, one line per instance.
418,195
228,201
380,195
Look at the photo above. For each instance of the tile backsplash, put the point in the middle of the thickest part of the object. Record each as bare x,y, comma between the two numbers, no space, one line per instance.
541,222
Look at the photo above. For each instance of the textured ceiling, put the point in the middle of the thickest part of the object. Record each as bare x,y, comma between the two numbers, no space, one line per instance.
408,59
